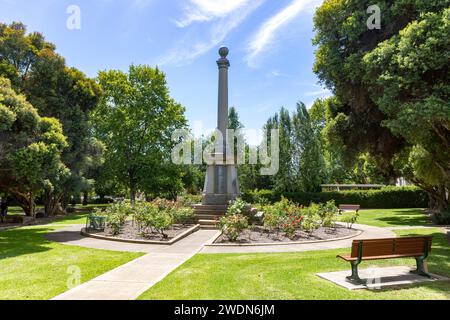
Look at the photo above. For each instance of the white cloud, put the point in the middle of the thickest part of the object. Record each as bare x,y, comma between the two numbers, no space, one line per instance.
207,10
264,37
222,15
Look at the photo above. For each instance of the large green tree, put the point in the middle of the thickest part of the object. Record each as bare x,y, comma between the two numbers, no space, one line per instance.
38,72
135,120
391,83
30,149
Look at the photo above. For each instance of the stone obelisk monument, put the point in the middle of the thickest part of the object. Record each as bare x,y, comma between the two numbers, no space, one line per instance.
221,183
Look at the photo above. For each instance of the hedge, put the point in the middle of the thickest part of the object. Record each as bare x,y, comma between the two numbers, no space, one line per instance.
385,198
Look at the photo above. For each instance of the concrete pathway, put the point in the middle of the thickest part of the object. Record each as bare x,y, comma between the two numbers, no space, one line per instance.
369,232
130,280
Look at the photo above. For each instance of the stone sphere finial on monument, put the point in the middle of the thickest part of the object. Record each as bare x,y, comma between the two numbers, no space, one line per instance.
224,51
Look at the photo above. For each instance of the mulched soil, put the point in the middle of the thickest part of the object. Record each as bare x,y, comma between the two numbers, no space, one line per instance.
263,235
131,232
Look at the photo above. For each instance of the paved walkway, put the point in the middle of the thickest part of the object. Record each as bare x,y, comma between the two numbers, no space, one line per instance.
368,233
130,280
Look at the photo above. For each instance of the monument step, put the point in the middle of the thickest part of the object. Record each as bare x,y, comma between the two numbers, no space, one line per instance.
210,212
210,207
205,216
207,224
209,227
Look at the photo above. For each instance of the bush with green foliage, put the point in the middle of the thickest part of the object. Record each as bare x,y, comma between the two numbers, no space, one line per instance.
183,215
190,199
350,219
292,223
311,220
150,218
117,215
239,206
389,197
328,213
232,225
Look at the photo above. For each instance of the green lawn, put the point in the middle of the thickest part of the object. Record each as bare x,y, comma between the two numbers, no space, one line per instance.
34,268
74,218
392,217
291,276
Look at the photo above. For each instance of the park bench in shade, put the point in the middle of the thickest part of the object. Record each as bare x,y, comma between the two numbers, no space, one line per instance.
389,248
348,207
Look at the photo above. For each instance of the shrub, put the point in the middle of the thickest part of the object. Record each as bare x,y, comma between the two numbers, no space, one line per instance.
239,206
184,215
387,197
292,223
272,218
161,221
232,225
149,217
117,215
311,220
190,199
328,213
350,219
166,205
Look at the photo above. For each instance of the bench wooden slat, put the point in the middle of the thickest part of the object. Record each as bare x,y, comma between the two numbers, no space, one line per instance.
393,256
391,246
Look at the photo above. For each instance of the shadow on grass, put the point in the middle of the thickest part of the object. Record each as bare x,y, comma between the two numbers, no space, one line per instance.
409,217
438,263
64,236
22,241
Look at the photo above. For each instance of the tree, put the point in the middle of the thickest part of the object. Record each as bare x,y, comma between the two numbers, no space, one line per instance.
135,120
301,161
391,84
31,147
338,167
37,71
306,157
409,77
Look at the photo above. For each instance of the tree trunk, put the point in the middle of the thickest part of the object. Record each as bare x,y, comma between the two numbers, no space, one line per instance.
132,195
85,198
24,202
32,206
51,201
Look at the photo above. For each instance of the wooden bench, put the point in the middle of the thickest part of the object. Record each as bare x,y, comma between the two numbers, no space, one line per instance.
389,248
349,207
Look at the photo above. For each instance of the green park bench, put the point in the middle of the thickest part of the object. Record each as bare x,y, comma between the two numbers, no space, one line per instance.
96,223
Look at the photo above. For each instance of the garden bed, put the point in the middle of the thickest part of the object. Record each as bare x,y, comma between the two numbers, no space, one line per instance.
130,233
263,236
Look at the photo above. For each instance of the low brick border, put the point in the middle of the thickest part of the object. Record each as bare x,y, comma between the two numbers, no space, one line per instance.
212,244
189,231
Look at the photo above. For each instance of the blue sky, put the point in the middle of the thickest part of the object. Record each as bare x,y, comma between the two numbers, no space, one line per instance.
270,47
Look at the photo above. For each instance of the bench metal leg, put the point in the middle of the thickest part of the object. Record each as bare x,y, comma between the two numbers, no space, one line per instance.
355,277
420,270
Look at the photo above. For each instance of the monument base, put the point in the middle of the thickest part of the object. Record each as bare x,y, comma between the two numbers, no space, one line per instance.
218,199
221,185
